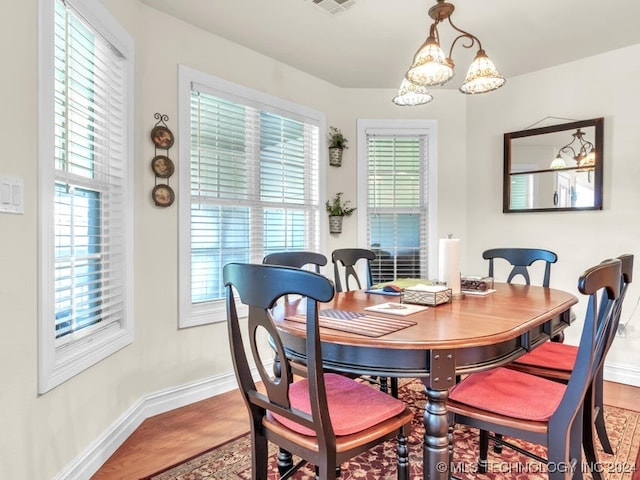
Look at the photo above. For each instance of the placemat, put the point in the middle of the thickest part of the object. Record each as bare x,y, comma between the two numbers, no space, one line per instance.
356,322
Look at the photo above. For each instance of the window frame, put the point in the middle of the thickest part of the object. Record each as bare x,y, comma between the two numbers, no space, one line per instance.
60,360
190,314
400,127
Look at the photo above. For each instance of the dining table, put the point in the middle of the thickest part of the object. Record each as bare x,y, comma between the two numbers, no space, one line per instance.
436,344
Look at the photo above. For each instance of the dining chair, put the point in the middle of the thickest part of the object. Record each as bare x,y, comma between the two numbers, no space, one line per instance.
521,259
348,258
325,418
556,361
297,259
536,409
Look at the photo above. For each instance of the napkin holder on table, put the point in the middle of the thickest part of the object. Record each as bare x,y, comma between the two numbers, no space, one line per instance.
431,295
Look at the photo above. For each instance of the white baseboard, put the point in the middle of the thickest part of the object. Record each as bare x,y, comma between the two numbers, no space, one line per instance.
96,454
622,374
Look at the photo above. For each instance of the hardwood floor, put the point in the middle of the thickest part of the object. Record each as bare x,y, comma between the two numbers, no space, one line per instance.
173,436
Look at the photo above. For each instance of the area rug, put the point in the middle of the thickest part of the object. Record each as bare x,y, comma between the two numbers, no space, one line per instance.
232,461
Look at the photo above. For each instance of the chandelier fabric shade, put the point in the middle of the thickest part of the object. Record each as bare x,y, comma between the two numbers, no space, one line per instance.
558,162
411,94
482,76
431,67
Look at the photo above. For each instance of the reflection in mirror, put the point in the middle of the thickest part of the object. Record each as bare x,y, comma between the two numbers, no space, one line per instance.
554,168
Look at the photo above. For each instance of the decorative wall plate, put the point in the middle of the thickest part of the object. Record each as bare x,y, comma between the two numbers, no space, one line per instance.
162,166
163,195
162,137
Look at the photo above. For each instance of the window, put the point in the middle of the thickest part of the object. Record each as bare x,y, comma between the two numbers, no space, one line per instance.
396,163
253,178
523,188
85,188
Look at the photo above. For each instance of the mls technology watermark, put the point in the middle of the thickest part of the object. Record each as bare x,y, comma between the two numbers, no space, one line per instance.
535,467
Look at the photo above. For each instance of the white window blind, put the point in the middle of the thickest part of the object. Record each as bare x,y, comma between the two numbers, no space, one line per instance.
396,206
523,188
86,184
521,196
253,179
397,196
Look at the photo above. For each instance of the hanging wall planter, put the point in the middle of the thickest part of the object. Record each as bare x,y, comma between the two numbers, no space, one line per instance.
337,210
337,143
335,157
335,224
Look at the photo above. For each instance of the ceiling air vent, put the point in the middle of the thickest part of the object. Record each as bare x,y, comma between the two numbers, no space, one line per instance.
334,7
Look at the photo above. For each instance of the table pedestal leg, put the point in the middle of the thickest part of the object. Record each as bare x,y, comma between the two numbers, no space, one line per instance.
436,448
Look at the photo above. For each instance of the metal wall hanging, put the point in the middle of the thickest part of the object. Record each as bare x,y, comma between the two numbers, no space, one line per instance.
161,165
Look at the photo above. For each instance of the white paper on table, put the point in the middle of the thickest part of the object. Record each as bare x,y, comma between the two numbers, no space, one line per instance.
421,287
394,308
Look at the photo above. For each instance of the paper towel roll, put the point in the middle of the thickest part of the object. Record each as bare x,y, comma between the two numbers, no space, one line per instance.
449,263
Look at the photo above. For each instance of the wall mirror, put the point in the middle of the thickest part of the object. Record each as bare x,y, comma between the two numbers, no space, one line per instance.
554,168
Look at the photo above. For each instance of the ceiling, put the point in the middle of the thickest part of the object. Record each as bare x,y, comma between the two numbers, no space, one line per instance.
371,44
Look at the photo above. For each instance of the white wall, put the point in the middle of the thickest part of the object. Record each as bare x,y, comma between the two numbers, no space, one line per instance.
42,435
600,86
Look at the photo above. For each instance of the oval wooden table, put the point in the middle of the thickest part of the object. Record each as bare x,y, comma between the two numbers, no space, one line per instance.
470,334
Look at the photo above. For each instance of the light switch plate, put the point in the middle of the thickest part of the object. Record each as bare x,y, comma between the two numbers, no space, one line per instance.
11,194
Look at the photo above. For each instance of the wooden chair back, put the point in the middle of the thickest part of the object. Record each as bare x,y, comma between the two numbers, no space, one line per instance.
348,258
626,277
597,330
297,259
521,259
566,426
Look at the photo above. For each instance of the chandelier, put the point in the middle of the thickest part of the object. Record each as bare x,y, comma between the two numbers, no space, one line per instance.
583,153
430,67
411,94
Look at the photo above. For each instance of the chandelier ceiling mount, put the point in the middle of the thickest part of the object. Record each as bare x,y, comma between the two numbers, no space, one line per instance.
441,10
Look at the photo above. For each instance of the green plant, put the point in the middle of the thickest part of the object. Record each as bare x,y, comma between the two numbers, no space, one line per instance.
337,208
337,138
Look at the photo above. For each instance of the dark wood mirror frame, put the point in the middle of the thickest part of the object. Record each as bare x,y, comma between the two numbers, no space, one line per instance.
547,138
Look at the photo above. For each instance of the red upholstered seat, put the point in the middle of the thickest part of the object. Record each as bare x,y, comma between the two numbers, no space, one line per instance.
325,418
511,393
552,355
345,398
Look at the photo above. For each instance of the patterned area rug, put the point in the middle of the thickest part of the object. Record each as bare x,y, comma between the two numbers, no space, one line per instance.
232,461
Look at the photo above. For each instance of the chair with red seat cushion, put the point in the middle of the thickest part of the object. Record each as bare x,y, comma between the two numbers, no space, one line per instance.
349,258
536,409
520,260
556,361
325,418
